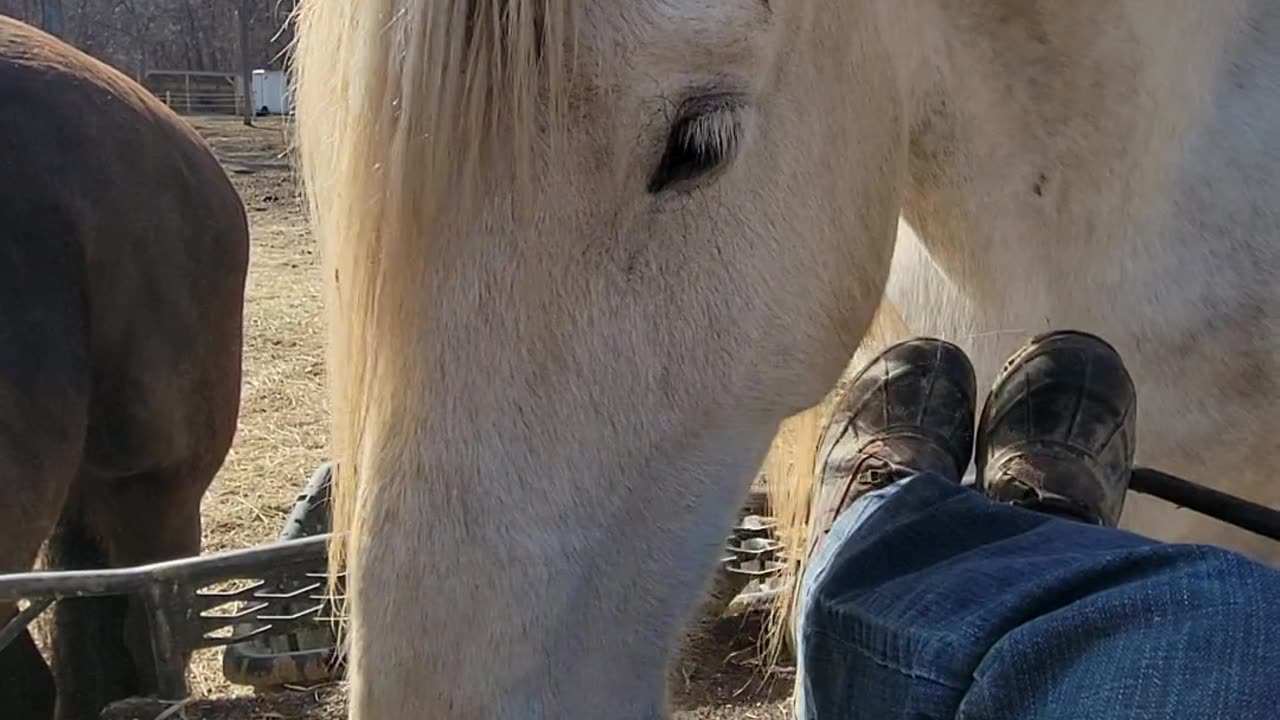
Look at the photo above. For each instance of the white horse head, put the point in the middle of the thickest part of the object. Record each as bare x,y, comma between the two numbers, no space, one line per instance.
586,256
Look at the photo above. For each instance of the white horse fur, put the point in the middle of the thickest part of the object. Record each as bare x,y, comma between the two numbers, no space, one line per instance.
557,362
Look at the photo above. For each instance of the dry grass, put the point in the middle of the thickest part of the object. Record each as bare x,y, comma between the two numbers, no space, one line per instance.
283,432
718,678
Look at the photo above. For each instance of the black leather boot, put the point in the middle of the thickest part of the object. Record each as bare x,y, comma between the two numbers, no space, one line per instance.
1057,432
910,410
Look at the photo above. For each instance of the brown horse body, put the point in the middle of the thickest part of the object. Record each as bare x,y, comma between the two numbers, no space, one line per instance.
123,254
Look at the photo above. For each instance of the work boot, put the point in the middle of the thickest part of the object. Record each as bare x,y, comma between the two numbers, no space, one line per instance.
1057,432
909,411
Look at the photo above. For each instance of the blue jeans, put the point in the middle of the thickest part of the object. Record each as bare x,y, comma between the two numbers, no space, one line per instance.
929,601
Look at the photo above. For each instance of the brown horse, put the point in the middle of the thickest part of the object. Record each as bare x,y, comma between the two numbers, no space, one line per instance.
123,253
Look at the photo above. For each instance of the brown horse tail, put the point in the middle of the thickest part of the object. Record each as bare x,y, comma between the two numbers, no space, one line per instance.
91,662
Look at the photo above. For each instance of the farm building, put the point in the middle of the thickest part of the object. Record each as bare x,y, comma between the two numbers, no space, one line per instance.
271,93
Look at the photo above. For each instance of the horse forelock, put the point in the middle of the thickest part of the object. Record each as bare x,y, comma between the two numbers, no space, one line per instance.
401,106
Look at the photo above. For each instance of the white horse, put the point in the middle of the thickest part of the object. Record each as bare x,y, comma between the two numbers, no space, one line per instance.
585,257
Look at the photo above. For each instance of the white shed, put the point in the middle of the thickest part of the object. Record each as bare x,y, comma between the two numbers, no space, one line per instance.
271,93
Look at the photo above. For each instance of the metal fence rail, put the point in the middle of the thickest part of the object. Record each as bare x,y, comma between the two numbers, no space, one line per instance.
185,614
196,102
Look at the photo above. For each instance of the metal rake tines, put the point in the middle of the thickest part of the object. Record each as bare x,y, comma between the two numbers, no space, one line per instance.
284,603
264,619
265,624
752,549
754,556
257,592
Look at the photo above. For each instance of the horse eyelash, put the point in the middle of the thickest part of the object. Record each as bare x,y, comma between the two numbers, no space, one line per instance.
703,139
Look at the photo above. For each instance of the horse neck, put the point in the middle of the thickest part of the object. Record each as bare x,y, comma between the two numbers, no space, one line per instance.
1046,132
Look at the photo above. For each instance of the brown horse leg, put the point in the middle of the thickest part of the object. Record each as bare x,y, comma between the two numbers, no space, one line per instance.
26,686
28,510
44,397
90,664
137,520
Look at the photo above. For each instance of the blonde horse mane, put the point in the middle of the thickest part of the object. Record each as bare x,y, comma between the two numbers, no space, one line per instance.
399,106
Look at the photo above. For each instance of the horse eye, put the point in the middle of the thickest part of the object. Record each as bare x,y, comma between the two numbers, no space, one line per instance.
699,144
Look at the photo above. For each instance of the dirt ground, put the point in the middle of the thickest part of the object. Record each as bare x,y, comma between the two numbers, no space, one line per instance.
283,436
719,679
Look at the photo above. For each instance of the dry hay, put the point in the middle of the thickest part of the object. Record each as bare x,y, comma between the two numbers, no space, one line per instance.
283,430
719,678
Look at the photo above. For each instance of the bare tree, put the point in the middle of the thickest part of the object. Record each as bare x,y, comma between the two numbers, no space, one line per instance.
52,19
231,36
246,66
136,20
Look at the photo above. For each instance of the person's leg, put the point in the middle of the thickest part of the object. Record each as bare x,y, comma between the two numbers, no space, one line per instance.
941,604
927,600
904,426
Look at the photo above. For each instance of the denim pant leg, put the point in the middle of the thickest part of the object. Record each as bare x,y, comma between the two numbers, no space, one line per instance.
929,601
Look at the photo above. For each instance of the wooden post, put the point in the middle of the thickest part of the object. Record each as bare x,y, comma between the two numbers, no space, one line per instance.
187,78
